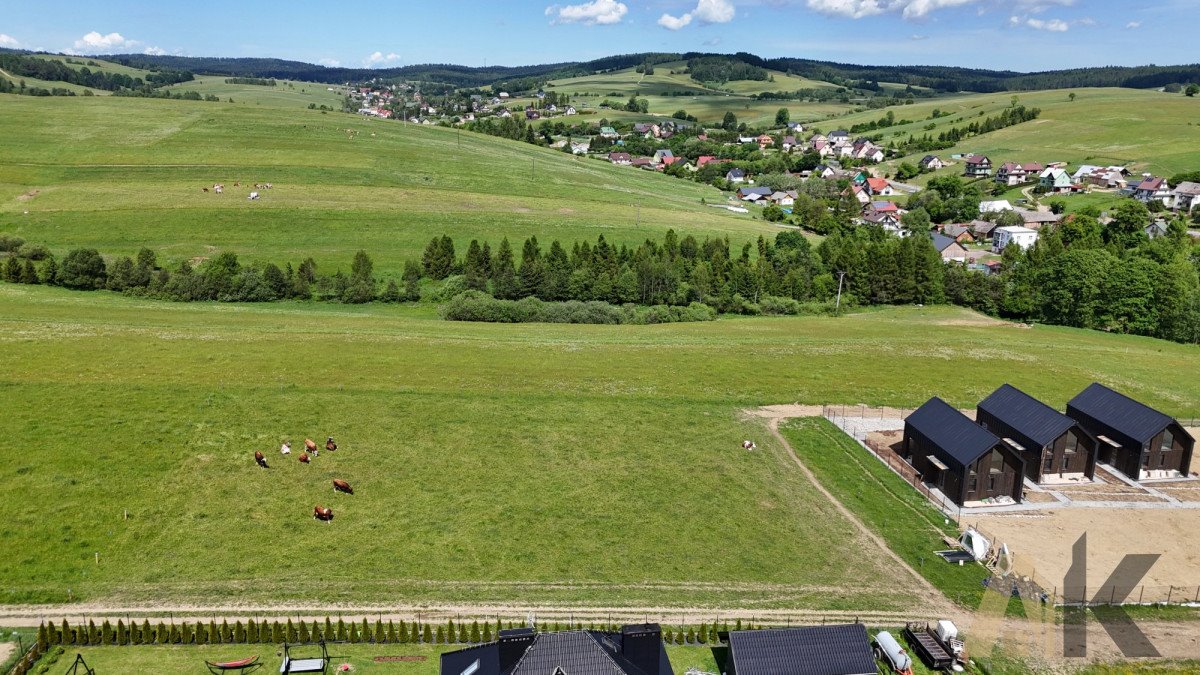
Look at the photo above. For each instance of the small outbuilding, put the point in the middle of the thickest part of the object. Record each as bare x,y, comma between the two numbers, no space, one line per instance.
634,650
840,649
1134,438
1052,444
962,459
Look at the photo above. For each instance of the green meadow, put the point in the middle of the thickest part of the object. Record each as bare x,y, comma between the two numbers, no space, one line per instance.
592,465
1144,129
285,93
119,174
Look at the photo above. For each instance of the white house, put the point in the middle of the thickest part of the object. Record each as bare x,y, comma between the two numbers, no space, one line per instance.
1021,236
995,206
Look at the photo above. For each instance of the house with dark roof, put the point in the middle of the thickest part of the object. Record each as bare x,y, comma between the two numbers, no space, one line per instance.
1054,446
932,163
735,176
634,650
811,650
962,459
948,247
977,165
1134,438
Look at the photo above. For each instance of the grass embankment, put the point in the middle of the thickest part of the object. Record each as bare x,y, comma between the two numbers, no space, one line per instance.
599,465
117,174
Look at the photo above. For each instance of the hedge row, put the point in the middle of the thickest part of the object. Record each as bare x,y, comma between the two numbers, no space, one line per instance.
275,632
479,306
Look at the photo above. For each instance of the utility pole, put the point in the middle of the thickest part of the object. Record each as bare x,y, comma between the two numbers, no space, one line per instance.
837,310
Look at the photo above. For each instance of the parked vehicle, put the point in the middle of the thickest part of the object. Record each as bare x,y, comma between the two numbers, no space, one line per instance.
889,651
924,642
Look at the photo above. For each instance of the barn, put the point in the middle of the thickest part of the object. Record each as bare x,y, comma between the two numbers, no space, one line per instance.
840,649
634,650
1133,438
1052,444
962,459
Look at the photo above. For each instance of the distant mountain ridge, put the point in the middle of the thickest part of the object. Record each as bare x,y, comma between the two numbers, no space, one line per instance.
941,78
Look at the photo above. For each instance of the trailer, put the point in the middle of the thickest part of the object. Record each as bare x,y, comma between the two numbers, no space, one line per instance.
925,643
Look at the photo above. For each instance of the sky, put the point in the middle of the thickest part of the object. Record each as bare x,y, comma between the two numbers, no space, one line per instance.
999,34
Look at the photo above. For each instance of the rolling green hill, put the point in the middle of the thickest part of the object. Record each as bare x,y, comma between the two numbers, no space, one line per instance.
1147,130
118,174
285,93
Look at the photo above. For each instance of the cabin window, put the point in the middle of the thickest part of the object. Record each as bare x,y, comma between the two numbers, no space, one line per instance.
973,484
1162,460
1049,462
1072,442
1065,461
997,461
1168,441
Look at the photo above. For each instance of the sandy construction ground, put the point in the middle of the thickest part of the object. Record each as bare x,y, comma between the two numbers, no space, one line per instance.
1045,540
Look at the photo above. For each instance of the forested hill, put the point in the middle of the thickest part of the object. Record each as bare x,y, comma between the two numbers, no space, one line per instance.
941,78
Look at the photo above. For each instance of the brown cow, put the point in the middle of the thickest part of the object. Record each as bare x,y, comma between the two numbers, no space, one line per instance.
340,485
303,458
322,513
310,445
330,445
205,189
260,459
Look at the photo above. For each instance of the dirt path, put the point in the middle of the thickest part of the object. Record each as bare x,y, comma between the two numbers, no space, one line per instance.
6,650
934,599
13,616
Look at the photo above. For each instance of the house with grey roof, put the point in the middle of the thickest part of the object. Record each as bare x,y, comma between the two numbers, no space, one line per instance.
1134,438
634,650
1054,446
837,649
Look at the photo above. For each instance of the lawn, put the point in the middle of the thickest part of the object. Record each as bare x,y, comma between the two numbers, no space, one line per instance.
534,463
117,174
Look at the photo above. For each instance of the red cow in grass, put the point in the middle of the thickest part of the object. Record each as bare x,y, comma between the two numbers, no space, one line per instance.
342,486
260,460
303,458
311,446
330,445
322,513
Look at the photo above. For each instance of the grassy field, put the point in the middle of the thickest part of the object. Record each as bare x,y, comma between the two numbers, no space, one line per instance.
1146,130
534,463
707,102
285,93
119,174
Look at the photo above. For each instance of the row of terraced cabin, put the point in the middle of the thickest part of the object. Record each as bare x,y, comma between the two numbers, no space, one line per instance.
1015,436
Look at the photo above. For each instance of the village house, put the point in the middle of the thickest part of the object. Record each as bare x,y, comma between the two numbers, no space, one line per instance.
663,156
580,148
994,206
1023,237
890,222
1135,439
609,133
532,114
1187,196
783,197
765,141
824,171
1111,177
1156,229
704,160
948,248
1053,445
960,233
642,163
1012,173
966,462
835,649
982,229
1057,181
976,166
860,194
880,186
1153,189
735,176
789,142
570,110
931,163
753,194
635,649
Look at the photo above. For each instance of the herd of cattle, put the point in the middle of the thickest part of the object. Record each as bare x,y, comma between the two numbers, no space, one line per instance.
310,450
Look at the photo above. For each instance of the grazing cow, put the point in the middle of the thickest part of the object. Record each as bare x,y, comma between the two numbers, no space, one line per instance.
285,449
330,445
749,445
262,461
205,189
322,513
219,189
253,195
311,446
340,485
303,458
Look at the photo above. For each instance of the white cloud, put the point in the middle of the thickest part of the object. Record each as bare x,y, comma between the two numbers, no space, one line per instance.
9,41
706,11
379,59
712,41
1133,24
154,51
94,43
674,22
917,9
918,38
603,12
332,63
1053,25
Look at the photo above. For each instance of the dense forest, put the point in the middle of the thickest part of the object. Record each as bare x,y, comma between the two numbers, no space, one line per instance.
723,69
940,78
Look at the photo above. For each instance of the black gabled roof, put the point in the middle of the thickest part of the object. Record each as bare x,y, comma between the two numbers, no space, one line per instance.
814,650
1136,420
574,653
953,432
1029,416
635,650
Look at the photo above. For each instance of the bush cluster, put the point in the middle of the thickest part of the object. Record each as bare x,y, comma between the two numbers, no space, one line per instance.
478,306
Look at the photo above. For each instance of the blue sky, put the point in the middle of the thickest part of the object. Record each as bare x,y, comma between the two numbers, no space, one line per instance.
1016,34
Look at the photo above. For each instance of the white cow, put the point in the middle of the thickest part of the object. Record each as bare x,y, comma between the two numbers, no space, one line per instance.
253,195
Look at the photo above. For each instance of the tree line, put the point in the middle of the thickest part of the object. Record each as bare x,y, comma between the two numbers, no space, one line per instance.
49,69
724,69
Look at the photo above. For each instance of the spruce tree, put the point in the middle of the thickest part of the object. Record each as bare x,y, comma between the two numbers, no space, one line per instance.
12,269
354,636
412,281
451,636
29,273
533,273
50,272
226,632
43,638
475,636
122,633
392,637
379,634
415,637
441,635
327,633
341,631
462,633
277,633
239,633
252,631
504,273
302,634
365,631
147,633
476,267
487,632
291,634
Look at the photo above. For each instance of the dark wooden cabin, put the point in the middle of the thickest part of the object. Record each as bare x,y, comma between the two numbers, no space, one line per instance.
1132,437
962,459
1051,443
